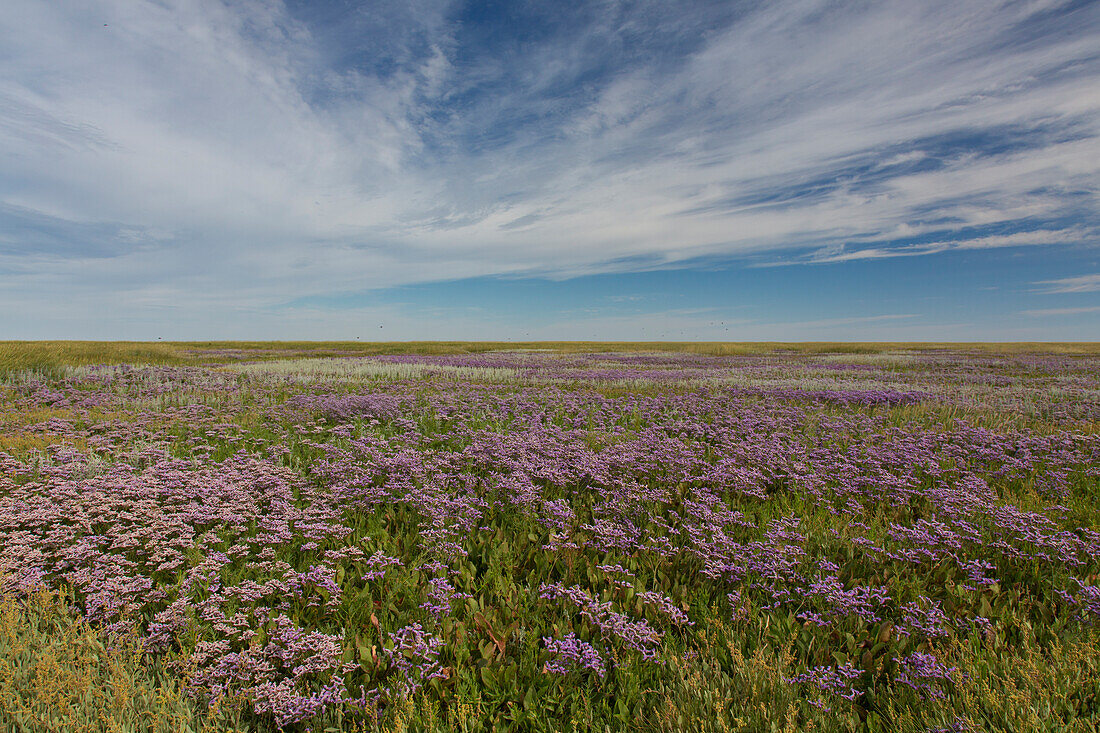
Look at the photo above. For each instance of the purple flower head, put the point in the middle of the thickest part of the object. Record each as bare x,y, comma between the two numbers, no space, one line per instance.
923,617
414,659
833,682
924,674
570,654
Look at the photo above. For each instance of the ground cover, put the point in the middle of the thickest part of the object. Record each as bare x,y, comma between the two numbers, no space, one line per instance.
452,537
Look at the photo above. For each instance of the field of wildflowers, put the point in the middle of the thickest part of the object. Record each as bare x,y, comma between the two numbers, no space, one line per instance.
861,539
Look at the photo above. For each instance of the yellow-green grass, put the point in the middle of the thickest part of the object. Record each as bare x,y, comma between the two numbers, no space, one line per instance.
308,370
58,675
367,348
54,355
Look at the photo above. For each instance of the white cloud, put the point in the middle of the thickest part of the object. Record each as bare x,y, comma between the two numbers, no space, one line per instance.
1062,311
1078,284
1019,239
852,321
270,173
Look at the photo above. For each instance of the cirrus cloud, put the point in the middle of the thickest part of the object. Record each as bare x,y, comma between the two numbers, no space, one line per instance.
210,157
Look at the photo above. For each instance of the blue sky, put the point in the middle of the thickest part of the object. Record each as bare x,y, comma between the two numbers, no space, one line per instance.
509,170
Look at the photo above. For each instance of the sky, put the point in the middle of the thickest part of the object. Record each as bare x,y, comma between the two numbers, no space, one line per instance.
781,170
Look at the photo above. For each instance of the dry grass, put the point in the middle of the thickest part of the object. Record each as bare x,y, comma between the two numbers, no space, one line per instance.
23,444
53,356
1018,687
57,675
309,370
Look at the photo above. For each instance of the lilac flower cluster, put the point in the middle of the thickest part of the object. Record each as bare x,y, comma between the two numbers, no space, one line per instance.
636,635
441,594
666,606
1085,601
414,659
833,682
273,673
828,594
618,576
377,564
161,509
923,617
924,674
570,654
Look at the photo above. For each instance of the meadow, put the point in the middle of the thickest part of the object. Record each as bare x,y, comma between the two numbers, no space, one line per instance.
549,537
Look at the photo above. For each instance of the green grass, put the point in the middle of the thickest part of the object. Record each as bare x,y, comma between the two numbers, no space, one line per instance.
58,675
53,356
1032,672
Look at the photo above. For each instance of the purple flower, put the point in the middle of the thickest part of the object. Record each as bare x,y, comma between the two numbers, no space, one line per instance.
831,681
923,617
924,674
570,654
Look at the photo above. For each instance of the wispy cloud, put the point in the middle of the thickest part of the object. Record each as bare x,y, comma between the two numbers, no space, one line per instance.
1079,284
854,321
203,156
1061,311
840,253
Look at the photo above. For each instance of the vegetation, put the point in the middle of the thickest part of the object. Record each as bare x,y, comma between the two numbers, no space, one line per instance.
50,356
292,536
59,675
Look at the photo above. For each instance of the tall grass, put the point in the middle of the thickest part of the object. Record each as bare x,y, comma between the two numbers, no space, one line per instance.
712,348
52,356
58,675
308,370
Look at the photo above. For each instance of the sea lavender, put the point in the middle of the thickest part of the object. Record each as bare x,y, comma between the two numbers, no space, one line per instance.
570,654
